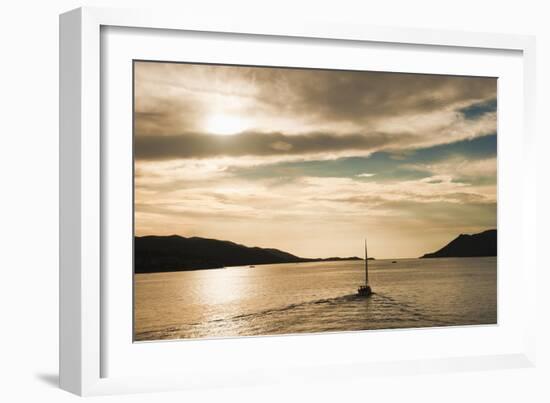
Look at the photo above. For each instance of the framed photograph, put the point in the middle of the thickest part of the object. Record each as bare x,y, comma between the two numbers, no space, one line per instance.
255,203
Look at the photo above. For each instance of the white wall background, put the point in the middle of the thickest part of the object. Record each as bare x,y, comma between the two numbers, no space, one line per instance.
29,187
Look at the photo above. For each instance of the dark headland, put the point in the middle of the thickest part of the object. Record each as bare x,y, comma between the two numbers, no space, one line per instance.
475,245
176,253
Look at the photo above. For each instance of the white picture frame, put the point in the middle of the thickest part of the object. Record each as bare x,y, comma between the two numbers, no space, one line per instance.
86,346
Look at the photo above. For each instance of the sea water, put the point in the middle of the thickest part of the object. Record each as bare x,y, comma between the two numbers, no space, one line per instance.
315,297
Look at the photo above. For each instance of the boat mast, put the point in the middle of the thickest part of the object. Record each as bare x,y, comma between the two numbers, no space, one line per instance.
366,264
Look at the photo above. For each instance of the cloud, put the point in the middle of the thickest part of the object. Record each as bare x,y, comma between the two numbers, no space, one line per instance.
356,95
193,145
477,172
172,98
303,112
458,158
256,212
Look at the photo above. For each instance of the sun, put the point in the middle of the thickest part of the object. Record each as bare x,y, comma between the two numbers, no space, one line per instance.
225,125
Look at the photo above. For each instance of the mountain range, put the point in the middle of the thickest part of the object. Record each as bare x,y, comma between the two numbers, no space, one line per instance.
177,253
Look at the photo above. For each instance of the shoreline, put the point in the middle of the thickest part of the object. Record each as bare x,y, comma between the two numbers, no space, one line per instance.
310,261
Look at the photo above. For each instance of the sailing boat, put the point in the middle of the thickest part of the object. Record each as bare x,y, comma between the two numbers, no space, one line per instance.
365,290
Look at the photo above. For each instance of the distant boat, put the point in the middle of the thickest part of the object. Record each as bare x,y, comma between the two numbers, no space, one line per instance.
251,266
365,290
394,261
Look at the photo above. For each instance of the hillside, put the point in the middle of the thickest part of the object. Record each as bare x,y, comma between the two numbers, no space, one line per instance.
176,253
482,244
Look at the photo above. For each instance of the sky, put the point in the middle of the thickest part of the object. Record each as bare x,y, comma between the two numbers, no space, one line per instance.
313,161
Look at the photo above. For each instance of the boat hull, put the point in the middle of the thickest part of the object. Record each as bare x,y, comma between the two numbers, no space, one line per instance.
364,291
